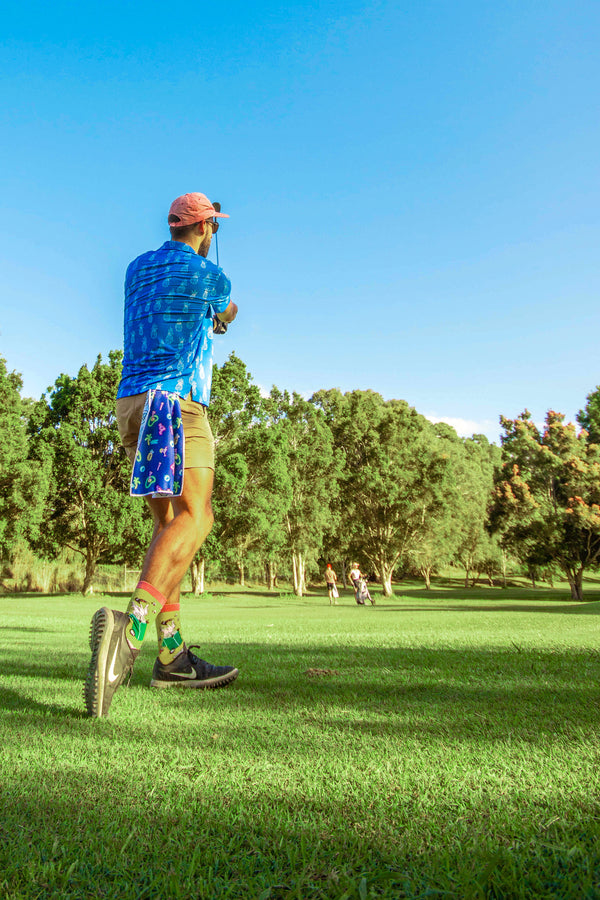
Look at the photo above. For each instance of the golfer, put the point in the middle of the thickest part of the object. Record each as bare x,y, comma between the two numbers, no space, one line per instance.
330,580
355,575
175,299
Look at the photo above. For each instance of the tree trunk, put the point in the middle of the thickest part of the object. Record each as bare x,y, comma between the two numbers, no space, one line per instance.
386,580
426,573
90,568
299,571
242,571
575,580
344,576
270,574
197,574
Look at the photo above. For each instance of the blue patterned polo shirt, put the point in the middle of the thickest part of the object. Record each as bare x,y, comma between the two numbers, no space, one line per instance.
171,296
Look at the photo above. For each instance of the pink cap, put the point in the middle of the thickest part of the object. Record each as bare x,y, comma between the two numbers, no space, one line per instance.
191,208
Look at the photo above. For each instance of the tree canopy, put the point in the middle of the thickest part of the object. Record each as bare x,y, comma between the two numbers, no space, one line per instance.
24,483
302,482
547,496
89,509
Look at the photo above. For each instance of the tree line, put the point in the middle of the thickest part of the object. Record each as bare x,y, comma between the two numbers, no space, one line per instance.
335,478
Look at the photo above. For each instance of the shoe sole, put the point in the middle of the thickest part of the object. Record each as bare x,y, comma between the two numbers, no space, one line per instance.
205,684
101,629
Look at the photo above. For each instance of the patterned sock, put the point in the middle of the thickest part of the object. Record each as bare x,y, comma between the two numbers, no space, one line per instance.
145,604
168,632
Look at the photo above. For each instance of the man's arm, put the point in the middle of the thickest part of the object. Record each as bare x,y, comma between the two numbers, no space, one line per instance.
229,314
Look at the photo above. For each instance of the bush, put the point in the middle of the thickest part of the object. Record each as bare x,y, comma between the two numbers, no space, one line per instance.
26,572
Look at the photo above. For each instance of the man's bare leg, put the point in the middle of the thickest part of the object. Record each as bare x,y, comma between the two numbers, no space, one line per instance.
181,527
162,513
168,620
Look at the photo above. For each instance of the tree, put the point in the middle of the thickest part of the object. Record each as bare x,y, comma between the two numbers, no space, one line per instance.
475,469
547,496
436,543
235,402
249,488
395,476
89,508
309,467
589,416
24,483
253,495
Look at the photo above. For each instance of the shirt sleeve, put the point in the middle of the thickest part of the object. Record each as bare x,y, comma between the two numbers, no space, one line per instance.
222,293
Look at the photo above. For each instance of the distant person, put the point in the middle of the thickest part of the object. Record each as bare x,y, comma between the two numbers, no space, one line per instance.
355,575
362,593
174,301
358,580
331,579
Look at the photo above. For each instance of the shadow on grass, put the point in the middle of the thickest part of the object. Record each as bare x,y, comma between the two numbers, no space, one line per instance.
499,595
525,693
285,597
585,609
13,700
20,629
451,589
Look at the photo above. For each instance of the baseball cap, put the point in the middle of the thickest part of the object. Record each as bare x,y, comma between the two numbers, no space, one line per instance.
191,208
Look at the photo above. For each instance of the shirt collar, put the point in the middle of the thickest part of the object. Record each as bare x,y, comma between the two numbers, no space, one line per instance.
178,245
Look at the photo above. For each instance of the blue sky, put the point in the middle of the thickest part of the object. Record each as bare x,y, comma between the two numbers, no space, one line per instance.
413,189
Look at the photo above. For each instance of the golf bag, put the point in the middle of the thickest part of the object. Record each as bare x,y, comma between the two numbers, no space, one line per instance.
362,593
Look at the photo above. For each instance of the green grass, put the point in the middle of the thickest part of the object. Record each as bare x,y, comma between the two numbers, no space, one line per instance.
440,744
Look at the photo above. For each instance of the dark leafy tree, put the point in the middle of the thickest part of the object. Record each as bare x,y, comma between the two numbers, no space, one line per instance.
547,497
476,551
24,482
89,509
395,478
589,416
310,466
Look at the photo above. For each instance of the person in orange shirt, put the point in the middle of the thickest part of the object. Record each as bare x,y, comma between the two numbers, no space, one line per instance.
331,579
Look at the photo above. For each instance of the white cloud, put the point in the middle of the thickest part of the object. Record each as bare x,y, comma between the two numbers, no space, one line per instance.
468,427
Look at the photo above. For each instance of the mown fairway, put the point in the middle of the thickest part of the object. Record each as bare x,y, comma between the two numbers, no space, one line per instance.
435,745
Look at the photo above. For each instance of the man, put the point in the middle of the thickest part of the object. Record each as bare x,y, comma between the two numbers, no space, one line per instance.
174,300
355,575
356,578
330,579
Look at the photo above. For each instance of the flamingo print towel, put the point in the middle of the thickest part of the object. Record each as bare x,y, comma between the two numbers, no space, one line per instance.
158,466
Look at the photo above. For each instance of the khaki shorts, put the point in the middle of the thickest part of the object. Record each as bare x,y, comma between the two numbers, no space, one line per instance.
199,441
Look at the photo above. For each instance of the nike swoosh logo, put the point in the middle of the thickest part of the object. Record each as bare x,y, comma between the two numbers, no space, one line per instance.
184,674
112,675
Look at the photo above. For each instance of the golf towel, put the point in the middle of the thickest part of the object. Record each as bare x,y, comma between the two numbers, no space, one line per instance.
159,459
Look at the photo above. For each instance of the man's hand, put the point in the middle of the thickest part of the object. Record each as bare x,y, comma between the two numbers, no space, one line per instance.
229,314
221,321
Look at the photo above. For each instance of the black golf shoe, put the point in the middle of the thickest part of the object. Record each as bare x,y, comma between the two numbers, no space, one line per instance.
112,660
188,671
